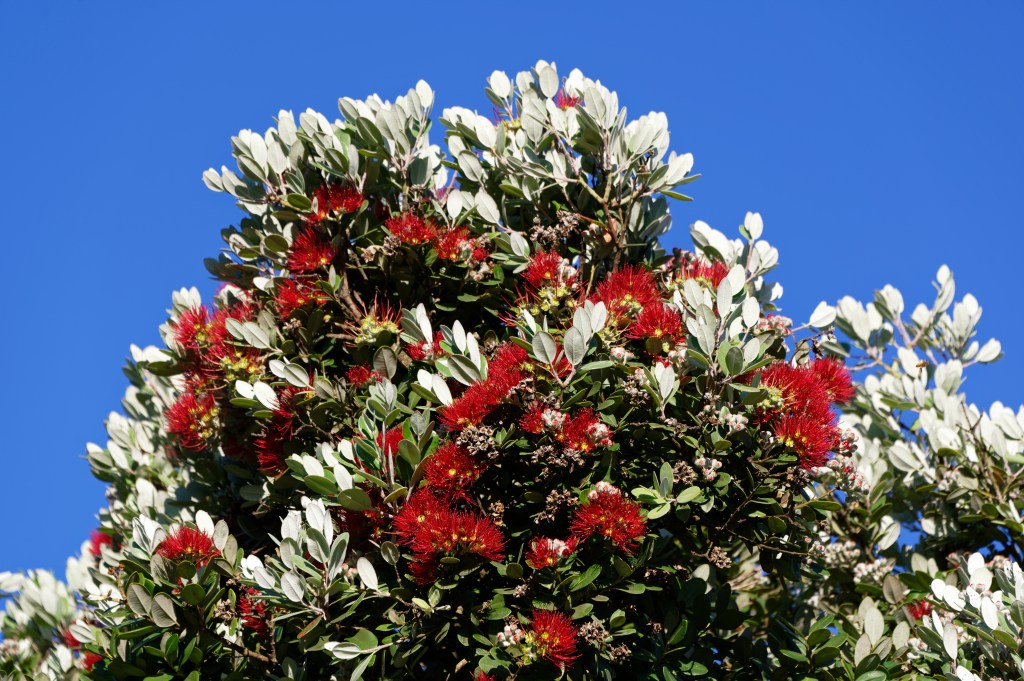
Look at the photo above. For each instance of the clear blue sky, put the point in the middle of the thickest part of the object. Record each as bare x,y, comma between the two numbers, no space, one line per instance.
879,141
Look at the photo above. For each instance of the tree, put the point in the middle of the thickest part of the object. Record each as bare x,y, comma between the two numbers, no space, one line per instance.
461,416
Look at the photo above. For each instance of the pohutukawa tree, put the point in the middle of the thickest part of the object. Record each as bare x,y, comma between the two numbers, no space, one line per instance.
459,415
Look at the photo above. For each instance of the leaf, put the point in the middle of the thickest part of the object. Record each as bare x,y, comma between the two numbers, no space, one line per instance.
575,346
162,611
385,362
293,587
193,594
544,347
266,395
688,495
367,573
874,625
139,600
586,578
355,499
949,642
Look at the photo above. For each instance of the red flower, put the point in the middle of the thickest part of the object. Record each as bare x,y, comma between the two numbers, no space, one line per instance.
546,552
420,508
919,609
456,532
328,199
627,291
89,660
657,320
453,244
552,636
270,446
193,420
411,229
69,639
97,540
607,513
548,269
426,350
808,436
566,101
450,470
835,380
711,273
218,332
507,368
191,328
293,294
481,676
360,375
310,251
795,390
389,439
253,611
188,544
585,431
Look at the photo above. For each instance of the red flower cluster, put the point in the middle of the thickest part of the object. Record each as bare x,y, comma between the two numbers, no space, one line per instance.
553,637
97,540
310,251
627,291
510,365
800,406
710,273
607,513
253,612
657,321
584,431
544,552
426,350
548,269
360,375
566,101
450,470
389,439
411,229
919,609
270,446
433,530
193,419
331,200
293,294
188,544
191,328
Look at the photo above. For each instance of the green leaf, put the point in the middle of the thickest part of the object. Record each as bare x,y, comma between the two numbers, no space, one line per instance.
586,578
193,594
162,611
139,600
354,499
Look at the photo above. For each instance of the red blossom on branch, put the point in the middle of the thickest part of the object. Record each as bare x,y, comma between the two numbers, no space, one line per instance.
411,229
450,470
708,272
293,294
192,420
97,540
188,544
426,350
584,431
253,612
544,552
329,200
808,436
564,101
310,251
453,244
509,366
656,321
548,269
553,637
360,375
834,379
270,446
608,514
191,328
627,291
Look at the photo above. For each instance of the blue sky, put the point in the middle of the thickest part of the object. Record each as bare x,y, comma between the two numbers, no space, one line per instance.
878,140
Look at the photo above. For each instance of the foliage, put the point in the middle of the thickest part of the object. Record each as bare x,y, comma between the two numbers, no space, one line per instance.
459,415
